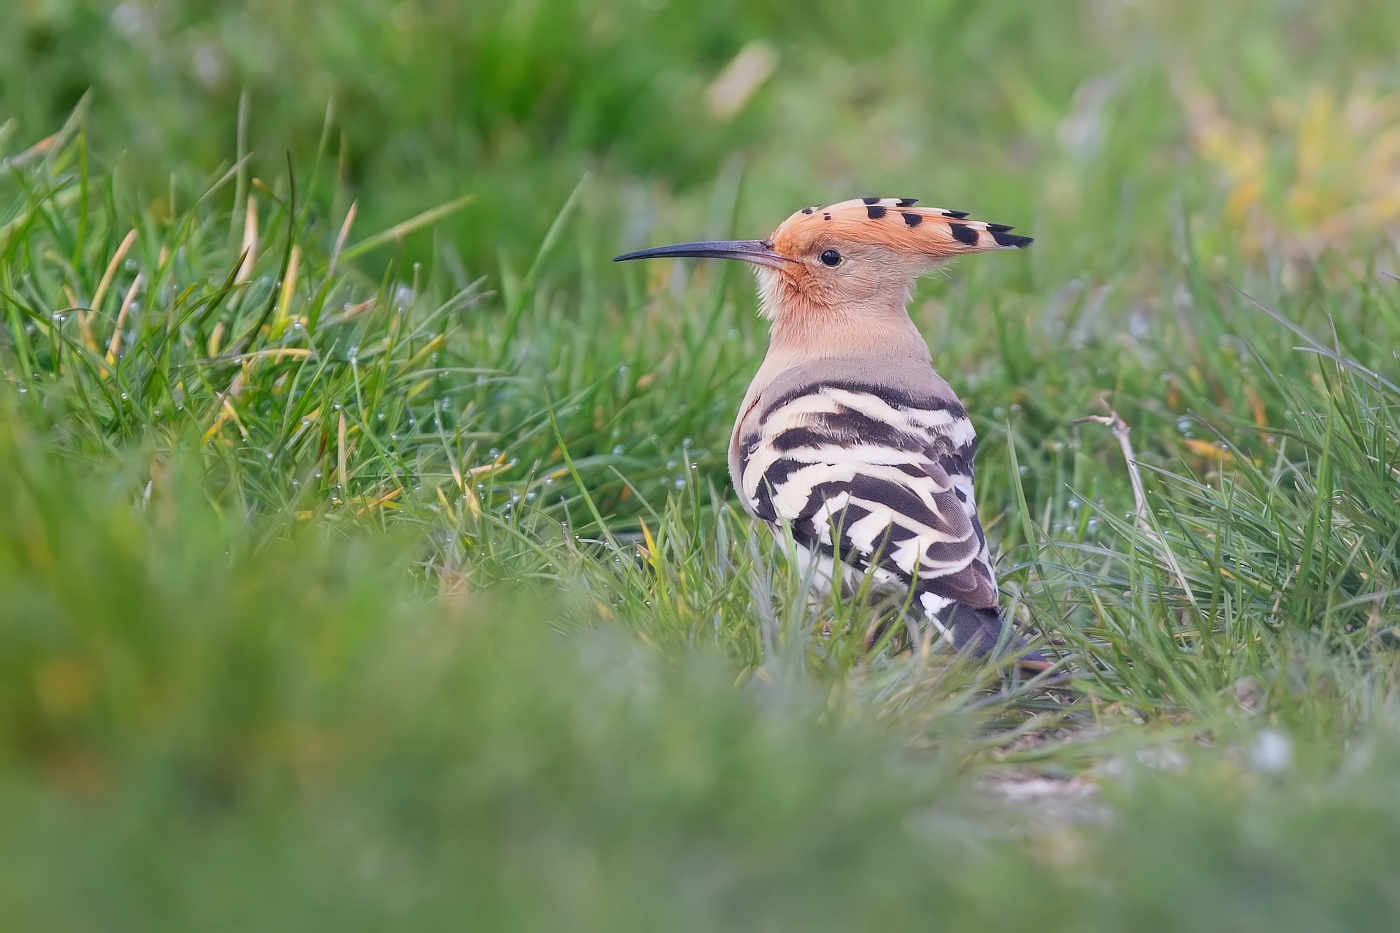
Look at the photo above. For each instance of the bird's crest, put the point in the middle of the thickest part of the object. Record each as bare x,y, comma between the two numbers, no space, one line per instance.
897,224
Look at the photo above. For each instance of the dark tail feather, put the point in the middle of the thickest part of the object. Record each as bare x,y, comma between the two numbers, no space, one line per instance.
979,633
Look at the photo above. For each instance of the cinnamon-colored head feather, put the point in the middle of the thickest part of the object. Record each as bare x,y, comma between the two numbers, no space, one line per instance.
925,233
859,258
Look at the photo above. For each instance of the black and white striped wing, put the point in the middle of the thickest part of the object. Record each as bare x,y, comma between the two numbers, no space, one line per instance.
880,479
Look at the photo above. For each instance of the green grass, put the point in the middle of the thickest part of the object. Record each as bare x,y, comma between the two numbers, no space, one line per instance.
366,552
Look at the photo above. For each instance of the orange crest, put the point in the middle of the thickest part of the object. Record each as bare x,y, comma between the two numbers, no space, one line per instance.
894,223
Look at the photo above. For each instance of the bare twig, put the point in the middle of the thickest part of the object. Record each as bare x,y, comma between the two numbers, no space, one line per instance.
1143,518
1122,431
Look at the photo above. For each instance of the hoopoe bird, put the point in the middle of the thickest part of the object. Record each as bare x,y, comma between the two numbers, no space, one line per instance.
847,435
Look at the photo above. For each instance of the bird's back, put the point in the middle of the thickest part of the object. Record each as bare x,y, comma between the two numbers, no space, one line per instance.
869,460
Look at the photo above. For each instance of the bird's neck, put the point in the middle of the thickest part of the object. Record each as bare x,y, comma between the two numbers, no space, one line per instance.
812,324
808,332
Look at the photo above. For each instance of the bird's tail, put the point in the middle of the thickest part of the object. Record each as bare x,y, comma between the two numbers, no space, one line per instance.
983,633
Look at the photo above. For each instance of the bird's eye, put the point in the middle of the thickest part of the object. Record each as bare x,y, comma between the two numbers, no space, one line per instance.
830,257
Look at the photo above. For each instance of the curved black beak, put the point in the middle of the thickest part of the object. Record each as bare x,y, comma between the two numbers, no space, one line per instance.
755,251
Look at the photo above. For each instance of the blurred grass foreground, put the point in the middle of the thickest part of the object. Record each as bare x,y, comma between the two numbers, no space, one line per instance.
366,556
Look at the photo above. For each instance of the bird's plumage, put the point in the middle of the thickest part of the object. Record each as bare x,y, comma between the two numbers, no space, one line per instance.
869,463
847,435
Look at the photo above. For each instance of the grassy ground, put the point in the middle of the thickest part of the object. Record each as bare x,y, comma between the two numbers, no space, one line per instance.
366,553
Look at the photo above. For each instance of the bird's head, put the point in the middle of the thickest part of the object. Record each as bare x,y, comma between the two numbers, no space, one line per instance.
854,258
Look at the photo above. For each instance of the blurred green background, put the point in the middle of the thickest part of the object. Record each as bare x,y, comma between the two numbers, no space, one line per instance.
366,558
